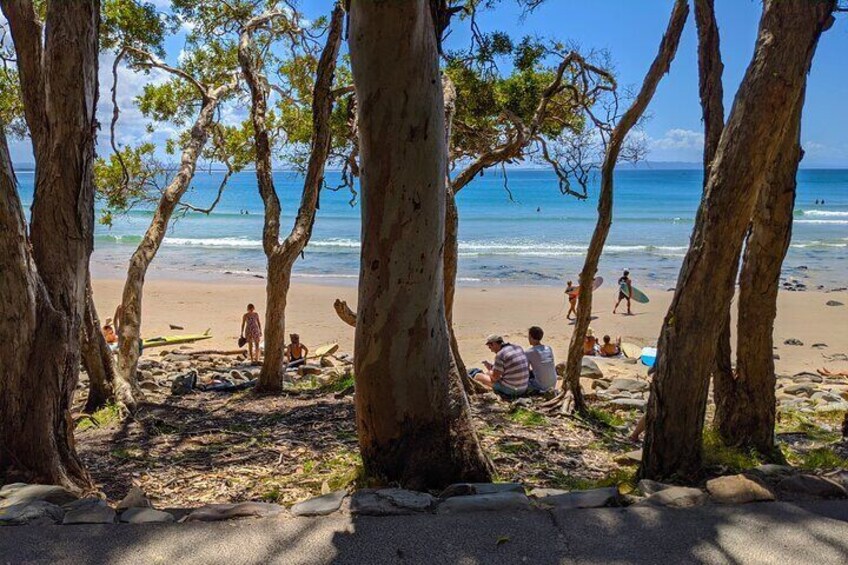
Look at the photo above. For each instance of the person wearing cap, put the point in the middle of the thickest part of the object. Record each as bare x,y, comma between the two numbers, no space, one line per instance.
510,374
622,295
590,344
109,332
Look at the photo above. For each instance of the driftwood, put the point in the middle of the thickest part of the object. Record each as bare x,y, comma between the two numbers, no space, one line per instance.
347,315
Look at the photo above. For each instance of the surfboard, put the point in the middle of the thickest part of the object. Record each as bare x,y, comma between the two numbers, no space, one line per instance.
631,350
637,295
596,283
649,356
161,341
323,350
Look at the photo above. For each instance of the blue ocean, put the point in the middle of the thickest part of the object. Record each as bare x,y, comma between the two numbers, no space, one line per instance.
536,236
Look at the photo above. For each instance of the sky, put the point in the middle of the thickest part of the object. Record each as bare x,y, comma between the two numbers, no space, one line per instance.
630,31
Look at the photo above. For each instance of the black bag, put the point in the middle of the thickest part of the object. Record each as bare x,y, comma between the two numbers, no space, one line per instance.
242,341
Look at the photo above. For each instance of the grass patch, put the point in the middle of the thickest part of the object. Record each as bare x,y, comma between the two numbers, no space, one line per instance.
625,479
796,422
602,416
103,417
717,454
526,417
517,447
819,459
127,454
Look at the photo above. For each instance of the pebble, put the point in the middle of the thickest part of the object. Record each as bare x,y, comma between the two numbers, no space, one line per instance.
793,341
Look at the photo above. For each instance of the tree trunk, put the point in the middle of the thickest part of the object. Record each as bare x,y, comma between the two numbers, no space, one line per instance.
412,430
129,328
281,256
746,415
97,358
659,67
764,105
44,276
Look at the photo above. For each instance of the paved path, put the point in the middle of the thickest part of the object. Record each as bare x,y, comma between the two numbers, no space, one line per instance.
754,533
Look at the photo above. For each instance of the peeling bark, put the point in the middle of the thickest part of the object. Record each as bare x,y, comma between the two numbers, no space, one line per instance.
412,416
281,255
659,67
745,413
44,272
788,35
129,328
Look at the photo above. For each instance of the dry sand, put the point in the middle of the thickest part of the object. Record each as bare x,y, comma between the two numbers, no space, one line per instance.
479,311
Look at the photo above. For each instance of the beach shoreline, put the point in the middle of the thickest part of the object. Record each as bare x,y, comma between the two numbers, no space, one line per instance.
480,310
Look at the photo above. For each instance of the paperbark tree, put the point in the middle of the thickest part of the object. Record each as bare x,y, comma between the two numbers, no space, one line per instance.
412,430
788,34
659,67
44,271
282,255
745,408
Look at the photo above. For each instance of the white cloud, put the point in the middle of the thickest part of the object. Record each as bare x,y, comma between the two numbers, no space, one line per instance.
680,139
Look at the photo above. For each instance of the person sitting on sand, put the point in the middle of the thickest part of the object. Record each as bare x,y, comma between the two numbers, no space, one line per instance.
590,344
571,291
296,352
622,295
609,349
543,375
109,332
251,330
510,373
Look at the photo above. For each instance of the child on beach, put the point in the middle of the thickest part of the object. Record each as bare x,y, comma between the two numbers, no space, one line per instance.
251,330
572,300
609,349
109,332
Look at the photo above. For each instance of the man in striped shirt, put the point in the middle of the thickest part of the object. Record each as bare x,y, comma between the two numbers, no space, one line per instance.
510,373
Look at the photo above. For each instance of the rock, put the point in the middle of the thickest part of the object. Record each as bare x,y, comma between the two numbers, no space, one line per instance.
834,303
36,513
184,384
543,492
89,511
389,502
467,489
737,489
485,503
819,346
590,369
676,497
600,384
806,376
793,341
595,498
177,357
145,376
149,386
630,458
837,357
630,385
649,487
217,512
320,505
802,388
145,516
841,406
630,403
776,357
306,370
812,486
135,498
20,493
772,470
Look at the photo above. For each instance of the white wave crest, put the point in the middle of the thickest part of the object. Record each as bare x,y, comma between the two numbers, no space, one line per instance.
825,213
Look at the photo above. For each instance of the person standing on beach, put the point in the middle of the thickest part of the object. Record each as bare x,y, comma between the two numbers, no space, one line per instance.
571,291
622,295
251,330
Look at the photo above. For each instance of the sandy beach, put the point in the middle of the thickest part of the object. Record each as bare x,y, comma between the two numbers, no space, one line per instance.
508,310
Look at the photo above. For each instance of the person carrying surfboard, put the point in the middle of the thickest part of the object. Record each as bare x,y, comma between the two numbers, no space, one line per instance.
625,291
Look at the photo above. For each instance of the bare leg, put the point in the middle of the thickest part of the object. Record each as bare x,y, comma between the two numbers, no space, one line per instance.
484,379
250,349
637,431
628,306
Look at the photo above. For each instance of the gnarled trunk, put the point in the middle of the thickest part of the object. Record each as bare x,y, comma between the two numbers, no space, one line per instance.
97,358
44,275
281,256
413,429
764,105
745,415
129,326
659,67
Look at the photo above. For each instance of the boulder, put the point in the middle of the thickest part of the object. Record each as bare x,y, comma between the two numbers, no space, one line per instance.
507,501
594,498
20,493
676,497
630,403
320,505
811,486
36,513
218,512
772,470
630,385
89,511
738,489
389,502
145,516
590,370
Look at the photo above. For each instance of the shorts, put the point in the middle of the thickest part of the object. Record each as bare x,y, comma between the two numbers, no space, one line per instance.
622,296
508,390
536,387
